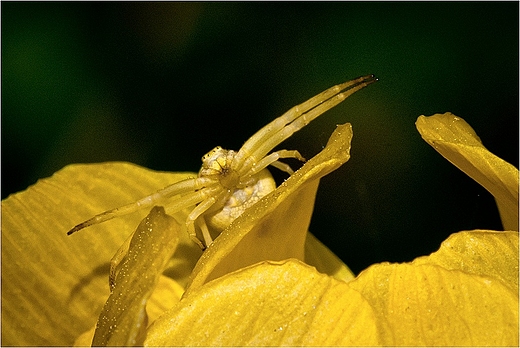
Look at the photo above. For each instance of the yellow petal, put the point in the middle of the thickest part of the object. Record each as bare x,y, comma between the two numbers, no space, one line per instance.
441,300
325,261
123,319
454,139
276,227
272,303
53,285
489,254
165,296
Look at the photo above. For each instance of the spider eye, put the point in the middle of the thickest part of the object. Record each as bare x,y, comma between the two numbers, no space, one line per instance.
217,151
216,162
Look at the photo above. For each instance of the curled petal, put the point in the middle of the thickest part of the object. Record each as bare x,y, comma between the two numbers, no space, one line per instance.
455,140
123,319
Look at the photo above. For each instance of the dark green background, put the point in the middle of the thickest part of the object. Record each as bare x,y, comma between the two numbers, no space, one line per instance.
160,84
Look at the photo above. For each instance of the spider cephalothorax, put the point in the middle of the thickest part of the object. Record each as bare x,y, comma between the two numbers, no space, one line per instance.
230,181
217,164
238,192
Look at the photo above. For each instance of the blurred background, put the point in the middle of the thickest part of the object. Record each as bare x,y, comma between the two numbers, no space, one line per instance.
161,84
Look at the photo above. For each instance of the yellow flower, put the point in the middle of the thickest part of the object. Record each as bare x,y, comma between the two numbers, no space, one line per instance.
254,285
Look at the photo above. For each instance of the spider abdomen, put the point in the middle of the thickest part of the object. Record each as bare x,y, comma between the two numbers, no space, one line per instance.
241,199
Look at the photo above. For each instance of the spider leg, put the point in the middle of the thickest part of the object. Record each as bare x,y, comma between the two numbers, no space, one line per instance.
293,120
177,188
284,167
190,221
205,231
272,159
196,214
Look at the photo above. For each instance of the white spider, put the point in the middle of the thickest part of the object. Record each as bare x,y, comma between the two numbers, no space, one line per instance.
229,182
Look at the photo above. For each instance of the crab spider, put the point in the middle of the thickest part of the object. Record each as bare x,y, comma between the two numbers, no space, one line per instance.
229,182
